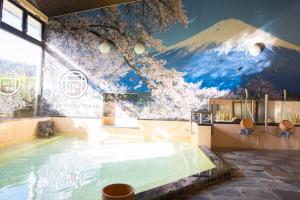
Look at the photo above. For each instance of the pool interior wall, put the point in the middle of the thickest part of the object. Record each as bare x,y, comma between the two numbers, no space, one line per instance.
17,130
12,131
222,135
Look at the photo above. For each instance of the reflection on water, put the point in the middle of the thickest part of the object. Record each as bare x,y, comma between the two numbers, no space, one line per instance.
73,168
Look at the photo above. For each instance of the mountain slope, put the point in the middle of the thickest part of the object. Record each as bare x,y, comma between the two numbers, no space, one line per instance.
219,57
232,33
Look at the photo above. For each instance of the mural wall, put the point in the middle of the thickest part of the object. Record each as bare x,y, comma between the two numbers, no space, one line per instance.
195,50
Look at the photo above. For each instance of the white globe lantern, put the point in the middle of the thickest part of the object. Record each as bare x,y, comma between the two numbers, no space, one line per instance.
254,50
139,48
105,47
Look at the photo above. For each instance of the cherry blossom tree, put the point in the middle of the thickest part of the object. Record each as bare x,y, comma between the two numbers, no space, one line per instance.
258,87
79,37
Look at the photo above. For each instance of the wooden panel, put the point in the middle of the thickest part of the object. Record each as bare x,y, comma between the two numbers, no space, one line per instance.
12,131
227,136
33,10
62,7
220,101
149,129
202,136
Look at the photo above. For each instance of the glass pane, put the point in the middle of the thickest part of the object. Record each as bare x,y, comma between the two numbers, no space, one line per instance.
20,63
12,15
34,28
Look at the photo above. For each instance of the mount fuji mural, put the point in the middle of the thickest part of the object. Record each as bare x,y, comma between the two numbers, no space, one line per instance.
219,57
213,49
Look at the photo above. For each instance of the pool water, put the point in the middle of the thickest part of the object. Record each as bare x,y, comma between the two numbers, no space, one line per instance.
69,167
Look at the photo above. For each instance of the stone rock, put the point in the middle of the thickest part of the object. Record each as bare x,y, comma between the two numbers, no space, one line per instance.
258,193
251,167
261,162
226,191
287,194
45,129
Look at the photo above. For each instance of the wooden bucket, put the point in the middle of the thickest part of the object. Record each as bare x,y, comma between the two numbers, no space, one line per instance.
247,123
108,121
118,191
286,125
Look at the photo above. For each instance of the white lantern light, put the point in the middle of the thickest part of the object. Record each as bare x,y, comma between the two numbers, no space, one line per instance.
139,48
105,47
254,50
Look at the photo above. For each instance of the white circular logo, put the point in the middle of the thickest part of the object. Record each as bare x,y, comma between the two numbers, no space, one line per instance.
10,83
73,84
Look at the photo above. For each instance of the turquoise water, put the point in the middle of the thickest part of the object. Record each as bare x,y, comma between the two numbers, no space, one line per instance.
67,167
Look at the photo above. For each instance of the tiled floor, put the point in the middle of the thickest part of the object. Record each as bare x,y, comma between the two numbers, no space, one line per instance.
257,174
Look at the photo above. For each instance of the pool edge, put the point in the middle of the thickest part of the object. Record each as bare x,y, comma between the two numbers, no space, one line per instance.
190,184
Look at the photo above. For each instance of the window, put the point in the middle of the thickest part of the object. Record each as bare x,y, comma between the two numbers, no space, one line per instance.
20,63
34,28
28,27
12,15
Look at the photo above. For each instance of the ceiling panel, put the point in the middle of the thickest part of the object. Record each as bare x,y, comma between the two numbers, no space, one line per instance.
62,7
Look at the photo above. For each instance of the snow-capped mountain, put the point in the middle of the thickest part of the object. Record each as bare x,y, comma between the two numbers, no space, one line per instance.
219,57
232,33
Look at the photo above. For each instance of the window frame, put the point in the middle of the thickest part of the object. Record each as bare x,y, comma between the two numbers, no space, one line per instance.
42,27
23,33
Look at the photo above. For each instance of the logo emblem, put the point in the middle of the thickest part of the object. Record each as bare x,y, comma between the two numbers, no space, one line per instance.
10,83
73,84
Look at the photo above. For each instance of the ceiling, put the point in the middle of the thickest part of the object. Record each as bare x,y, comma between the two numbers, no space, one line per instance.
53,8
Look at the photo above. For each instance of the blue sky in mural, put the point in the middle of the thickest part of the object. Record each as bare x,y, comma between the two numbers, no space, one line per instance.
278,17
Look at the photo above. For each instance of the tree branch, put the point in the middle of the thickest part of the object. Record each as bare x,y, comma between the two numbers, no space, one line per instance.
134,68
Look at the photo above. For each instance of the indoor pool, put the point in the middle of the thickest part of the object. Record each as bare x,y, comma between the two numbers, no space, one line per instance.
68,167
